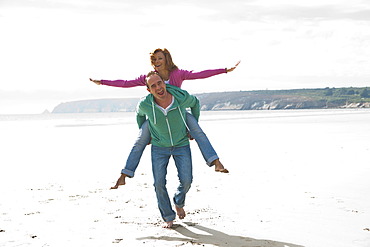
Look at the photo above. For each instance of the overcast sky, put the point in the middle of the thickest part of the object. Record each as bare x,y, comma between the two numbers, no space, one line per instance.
49,48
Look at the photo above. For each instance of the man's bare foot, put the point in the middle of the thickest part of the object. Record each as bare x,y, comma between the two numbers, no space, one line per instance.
168,224
180,212
219,167
121,181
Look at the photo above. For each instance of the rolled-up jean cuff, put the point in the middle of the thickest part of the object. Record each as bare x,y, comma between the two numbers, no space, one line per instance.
169,218
179,206
210,160
128,172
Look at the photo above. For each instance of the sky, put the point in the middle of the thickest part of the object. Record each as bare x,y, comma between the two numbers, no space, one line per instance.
50,48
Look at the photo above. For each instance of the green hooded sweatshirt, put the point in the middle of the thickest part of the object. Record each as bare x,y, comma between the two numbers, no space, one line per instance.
168,130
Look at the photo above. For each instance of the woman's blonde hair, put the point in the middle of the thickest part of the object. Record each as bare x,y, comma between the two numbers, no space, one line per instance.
169,63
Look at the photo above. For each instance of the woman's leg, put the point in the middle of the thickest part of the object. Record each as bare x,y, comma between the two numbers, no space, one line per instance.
137,150
205,146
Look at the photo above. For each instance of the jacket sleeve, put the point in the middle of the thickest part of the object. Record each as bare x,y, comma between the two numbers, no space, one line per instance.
140,116
195,110
192,102
140,81
190,75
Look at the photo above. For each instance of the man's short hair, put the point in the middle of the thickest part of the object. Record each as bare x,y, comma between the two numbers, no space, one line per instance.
151,73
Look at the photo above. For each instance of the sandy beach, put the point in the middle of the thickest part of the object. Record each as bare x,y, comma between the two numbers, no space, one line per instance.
297,178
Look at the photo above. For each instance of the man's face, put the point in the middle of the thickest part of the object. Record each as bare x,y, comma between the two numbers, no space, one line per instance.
157,87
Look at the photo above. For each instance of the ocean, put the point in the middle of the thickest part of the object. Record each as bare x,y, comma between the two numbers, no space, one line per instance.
68,145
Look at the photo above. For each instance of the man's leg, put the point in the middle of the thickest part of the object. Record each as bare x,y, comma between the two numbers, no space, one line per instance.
183,162
160,158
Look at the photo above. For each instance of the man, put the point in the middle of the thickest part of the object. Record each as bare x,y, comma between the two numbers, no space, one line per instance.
165,108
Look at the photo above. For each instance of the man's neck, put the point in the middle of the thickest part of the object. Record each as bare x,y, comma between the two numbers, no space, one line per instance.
165,102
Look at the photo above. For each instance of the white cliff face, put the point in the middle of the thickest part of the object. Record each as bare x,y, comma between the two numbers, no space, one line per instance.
357,105
227,106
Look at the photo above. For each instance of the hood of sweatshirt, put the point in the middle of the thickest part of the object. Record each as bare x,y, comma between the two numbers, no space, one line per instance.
171,129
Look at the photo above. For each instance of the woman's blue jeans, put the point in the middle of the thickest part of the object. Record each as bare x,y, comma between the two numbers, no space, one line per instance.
205,146
160,159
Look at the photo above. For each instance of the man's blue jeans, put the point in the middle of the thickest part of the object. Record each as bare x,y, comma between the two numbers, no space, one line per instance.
205,146
160,159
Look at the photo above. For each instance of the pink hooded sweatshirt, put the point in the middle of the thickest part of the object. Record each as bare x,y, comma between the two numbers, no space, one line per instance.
176,78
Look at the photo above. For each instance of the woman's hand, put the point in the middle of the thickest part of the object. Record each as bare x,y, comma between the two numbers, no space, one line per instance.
97,82
232,68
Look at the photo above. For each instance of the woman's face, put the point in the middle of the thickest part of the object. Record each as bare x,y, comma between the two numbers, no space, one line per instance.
159,61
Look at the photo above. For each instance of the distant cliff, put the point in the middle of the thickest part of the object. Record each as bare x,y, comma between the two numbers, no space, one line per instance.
97,105
282,99
243,100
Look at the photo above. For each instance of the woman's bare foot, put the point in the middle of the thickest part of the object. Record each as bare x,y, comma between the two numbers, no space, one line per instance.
120,181
180,212
219,167
168,224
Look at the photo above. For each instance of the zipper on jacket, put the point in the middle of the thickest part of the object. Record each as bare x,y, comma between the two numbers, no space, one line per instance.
169,130
168,123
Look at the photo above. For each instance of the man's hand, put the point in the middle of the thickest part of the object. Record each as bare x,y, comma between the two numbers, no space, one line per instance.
120,181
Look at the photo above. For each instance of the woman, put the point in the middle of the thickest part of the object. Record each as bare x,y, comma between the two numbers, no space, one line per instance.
161,61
